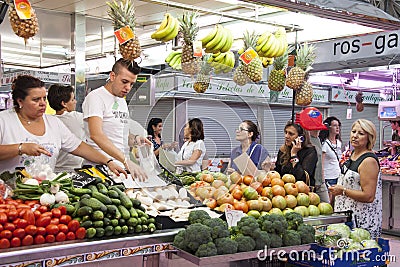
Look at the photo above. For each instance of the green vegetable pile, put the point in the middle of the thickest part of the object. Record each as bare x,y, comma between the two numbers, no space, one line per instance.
206,237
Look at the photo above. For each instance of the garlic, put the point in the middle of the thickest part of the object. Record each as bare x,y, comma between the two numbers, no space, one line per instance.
47,199
54,188
61,197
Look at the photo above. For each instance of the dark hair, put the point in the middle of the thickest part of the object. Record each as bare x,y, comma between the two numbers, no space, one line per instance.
132,66
252,128
196,129
324,134
153,122
58,94
286,150
21,86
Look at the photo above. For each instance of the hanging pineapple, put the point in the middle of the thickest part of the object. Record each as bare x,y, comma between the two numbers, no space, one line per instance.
305,57
304,95
189,29
239,77
203,78
253,70
123,14
277,77
25,28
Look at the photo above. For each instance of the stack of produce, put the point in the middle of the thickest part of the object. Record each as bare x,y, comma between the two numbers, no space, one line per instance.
207,236
168,29
277,77
256,196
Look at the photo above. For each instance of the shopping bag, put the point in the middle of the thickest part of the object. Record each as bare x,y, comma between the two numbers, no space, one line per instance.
245,165
167,159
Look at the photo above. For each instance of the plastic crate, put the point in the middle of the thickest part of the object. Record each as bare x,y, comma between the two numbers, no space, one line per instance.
320,257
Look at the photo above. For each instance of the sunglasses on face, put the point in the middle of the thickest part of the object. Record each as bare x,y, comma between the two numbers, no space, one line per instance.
241,129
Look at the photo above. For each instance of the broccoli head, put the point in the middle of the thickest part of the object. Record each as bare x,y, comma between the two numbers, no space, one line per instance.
291,238
219,228
273,223
276,240
307,233
206,250
179,240
248,225
262,239
198,216
293,219
245,243
196,235
226,245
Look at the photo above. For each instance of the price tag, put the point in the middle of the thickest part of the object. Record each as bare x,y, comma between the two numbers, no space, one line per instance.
124,34
23,8
248,55
349,113
233,216
197,49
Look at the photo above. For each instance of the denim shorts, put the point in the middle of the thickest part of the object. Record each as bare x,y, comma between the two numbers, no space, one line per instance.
332,181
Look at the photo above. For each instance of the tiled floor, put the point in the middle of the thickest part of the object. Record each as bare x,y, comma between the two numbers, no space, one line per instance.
394,242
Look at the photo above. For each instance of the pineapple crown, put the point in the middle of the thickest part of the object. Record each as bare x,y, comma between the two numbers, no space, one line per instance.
281,62
188,26
250,39
305,56
122,14
205,65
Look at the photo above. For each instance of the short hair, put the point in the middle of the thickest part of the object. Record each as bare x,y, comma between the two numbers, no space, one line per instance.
196,129
58,94
368,127
21,86
252,127
132,66
153,122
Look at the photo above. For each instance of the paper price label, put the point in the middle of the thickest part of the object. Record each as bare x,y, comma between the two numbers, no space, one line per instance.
233,216
248,56
124,34
197,49
349,113
23,8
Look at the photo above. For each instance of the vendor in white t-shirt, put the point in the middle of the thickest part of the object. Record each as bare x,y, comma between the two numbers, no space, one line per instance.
193,150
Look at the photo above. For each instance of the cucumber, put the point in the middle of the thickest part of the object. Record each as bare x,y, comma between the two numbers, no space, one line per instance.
107,222
109,230
79,191
103,198
125,200
138,228
151,220
98,224
82,211
121,222
136,202
98,180
100,232
113,194
98,215
143,220
117,230
85,218
144,228
124,230
114,222
116,201
152,227
94,203
124,212
92,188
102,188
85,196
112,209
90,232
133,212
87,224
131,229
132,222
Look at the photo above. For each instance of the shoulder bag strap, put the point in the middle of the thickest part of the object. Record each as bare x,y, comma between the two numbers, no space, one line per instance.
328,143
252,150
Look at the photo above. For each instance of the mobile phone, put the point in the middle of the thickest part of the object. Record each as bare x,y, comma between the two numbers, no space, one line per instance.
327,184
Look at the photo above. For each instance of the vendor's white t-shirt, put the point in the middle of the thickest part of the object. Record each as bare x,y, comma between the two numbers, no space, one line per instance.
331,164
74,122
187,151
114,113
56,137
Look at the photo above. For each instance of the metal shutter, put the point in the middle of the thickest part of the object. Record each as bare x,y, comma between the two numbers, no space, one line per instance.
163,109
220,120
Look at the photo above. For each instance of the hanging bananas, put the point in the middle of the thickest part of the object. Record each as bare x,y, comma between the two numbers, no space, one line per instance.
168,29
174,60
219,39
222,62
272,44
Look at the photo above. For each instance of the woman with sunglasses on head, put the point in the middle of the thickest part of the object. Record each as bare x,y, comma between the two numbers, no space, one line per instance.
247,134
297,156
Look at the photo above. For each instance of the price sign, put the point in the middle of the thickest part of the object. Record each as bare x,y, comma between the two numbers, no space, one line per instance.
349,113
233,216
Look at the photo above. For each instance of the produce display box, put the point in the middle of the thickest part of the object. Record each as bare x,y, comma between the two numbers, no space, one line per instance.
361,258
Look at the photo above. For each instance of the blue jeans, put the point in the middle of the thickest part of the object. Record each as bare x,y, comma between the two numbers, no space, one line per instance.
331,181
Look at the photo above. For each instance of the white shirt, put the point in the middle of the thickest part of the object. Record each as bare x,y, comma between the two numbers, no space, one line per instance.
113,111
331,164
187,151
74,122
56,137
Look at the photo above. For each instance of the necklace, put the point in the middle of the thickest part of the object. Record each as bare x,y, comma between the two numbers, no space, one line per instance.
22,118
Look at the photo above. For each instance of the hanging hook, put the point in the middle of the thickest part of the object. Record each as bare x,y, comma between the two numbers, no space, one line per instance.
167,7
220,18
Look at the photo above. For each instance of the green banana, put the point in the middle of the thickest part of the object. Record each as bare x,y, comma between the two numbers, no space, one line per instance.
159,35
263,38
171,55
174,59
173,33
229,41
219,58
217,38
162,25
270,42
222,42
177,64
209,36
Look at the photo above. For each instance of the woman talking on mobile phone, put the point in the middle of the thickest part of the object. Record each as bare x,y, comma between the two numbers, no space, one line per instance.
297,156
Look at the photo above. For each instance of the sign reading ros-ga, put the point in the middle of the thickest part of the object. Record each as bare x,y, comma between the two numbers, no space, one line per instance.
371,45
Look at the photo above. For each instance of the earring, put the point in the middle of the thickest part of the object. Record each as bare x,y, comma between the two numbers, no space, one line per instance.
20,107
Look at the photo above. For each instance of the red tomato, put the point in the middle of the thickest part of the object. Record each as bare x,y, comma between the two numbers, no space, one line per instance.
18,201
12,215
3,218
63,228
61,237
65,219
71,236
52,229
27,241
31,230
15,242
43,209
80,233
39,239
41,231
55,221
43,221
22,223
19,233
31,203
37,214
9,226
63,210
56,212
1,228
50,238
6,234
73,225
4,243
29,216
47,214
23,206
10,201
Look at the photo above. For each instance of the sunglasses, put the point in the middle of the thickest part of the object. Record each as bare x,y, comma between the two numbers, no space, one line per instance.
241,129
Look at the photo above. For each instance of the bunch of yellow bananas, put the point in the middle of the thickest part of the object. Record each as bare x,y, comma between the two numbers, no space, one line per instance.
219,39
272,44
266,61
174,60
222,62
168,29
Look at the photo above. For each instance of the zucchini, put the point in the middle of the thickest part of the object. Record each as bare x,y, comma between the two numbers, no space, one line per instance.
98,215
124,230
94,203
109,230
124,212
103,198
114,222
121,222
133,212
107,222
117,230
132,222
136,202
98,224
99,232
90,232
112,193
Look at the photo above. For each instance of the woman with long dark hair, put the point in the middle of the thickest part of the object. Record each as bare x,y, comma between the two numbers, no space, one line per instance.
154,129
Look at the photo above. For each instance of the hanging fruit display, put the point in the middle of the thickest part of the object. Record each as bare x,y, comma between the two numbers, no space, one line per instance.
254,69
305,57
222,62
203,77
168,29
189,29
174,60
23,19
219,39
272,44
123,16
277,77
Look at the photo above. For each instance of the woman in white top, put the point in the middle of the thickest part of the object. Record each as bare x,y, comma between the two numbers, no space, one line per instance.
193,150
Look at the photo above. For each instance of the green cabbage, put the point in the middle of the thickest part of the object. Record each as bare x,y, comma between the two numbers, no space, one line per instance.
341,228
359,234
370,244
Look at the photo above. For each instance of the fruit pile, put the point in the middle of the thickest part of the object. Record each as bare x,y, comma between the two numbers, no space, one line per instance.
267,192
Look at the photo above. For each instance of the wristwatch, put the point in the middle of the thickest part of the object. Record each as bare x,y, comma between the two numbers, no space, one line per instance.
294,160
